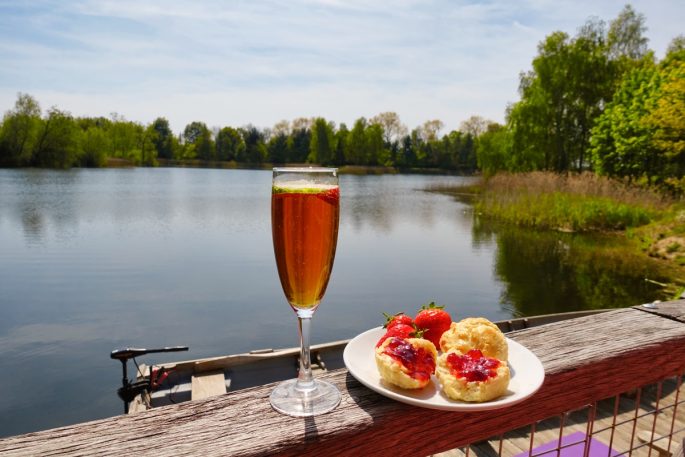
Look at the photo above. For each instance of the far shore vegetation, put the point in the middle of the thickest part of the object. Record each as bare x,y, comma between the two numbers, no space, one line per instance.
595,143
644,221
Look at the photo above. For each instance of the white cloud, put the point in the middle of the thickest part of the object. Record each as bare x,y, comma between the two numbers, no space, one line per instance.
258,62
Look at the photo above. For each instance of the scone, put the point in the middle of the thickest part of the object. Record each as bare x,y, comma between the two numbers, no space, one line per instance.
475,333
472,377
406,362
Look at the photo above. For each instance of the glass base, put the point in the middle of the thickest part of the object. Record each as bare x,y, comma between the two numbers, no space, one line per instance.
320,399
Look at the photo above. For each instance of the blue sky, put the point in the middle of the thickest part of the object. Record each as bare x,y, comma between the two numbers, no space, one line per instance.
239,62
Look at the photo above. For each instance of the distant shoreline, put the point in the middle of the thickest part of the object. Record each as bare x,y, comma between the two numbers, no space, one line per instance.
233,165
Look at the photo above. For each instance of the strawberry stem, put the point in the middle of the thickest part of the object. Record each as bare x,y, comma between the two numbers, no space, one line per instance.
389,318
432,305
418,332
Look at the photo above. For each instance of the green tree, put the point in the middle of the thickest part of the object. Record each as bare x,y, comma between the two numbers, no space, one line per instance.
341,144
641,134
571,81
552,70
356,143
94,144
19,131
407,153
193,131
419,147
322,145
57,144
255,148
277,148
198,141
125,139
494,149
204,146
299,144
449,150
667,118
164,139
464,152
621,142
528,120
376,153
148,138
229,144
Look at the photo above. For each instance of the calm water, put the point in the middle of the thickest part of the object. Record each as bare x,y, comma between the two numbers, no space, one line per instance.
93,260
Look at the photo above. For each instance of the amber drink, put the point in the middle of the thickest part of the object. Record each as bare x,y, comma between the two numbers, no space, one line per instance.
305,209
305,231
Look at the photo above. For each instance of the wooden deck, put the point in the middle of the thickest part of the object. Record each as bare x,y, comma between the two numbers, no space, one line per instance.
588,362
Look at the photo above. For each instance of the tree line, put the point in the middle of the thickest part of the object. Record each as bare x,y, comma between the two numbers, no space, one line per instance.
599,100
60,140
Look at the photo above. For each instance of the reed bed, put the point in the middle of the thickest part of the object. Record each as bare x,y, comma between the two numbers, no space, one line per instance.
586,184
579,203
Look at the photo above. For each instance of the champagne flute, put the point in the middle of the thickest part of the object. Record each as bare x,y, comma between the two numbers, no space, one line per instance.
305,209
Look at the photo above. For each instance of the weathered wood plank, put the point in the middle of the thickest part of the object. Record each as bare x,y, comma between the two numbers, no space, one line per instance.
585,359
207,385
223,362
661,446
672,309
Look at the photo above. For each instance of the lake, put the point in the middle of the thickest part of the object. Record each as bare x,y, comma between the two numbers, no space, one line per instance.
94,260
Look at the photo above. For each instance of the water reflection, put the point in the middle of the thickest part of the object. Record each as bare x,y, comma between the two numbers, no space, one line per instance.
548,272
33,223
383,203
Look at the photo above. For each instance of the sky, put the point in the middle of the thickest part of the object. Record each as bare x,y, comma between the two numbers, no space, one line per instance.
233,63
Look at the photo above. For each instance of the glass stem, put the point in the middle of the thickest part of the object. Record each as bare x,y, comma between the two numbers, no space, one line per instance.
305,380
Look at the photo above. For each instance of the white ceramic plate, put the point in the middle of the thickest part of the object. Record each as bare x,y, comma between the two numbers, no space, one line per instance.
527,375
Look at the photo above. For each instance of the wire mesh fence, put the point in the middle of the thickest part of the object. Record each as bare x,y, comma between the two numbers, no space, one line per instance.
648,421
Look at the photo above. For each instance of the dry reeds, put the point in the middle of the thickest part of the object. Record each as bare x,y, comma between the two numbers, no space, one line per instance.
584,184
580,202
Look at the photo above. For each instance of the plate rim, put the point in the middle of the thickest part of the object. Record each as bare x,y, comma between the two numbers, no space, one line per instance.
453,405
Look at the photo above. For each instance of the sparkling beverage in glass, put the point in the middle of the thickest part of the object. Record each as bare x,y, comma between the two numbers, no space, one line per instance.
305,209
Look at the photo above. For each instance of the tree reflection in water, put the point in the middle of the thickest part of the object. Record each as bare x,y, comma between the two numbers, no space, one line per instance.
552,272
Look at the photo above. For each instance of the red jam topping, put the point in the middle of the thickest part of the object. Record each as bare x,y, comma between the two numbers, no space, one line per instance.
419,362
473,366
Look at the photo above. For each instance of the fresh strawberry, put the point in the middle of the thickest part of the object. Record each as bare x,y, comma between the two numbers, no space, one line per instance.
396,319
434,320
400,331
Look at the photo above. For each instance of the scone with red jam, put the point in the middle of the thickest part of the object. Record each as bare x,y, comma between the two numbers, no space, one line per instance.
472,377
406,362
475,333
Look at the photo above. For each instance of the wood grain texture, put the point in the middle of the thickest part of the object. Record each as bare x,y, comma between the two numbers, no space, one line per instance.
205,385
585,359
670,309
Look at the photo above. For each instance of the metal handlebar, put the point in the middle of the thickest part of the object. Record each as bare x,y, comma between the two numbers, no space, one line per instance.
129,353
128,389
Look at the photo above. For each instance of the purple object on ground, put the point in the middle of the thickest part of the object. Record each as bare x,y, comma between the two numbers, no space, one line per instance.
576,447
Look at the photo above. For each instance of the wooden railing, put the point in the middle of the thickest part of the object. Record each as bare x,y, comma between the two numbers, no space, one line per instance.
585,359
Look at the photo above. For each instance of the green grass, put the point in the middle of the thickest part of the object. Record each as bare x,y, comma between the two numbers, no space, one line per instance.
566,212
579,203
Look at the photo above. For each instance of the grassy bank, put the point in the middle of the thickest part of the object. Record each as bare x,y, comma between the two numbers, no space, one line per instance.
575,203
571,213
652,223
